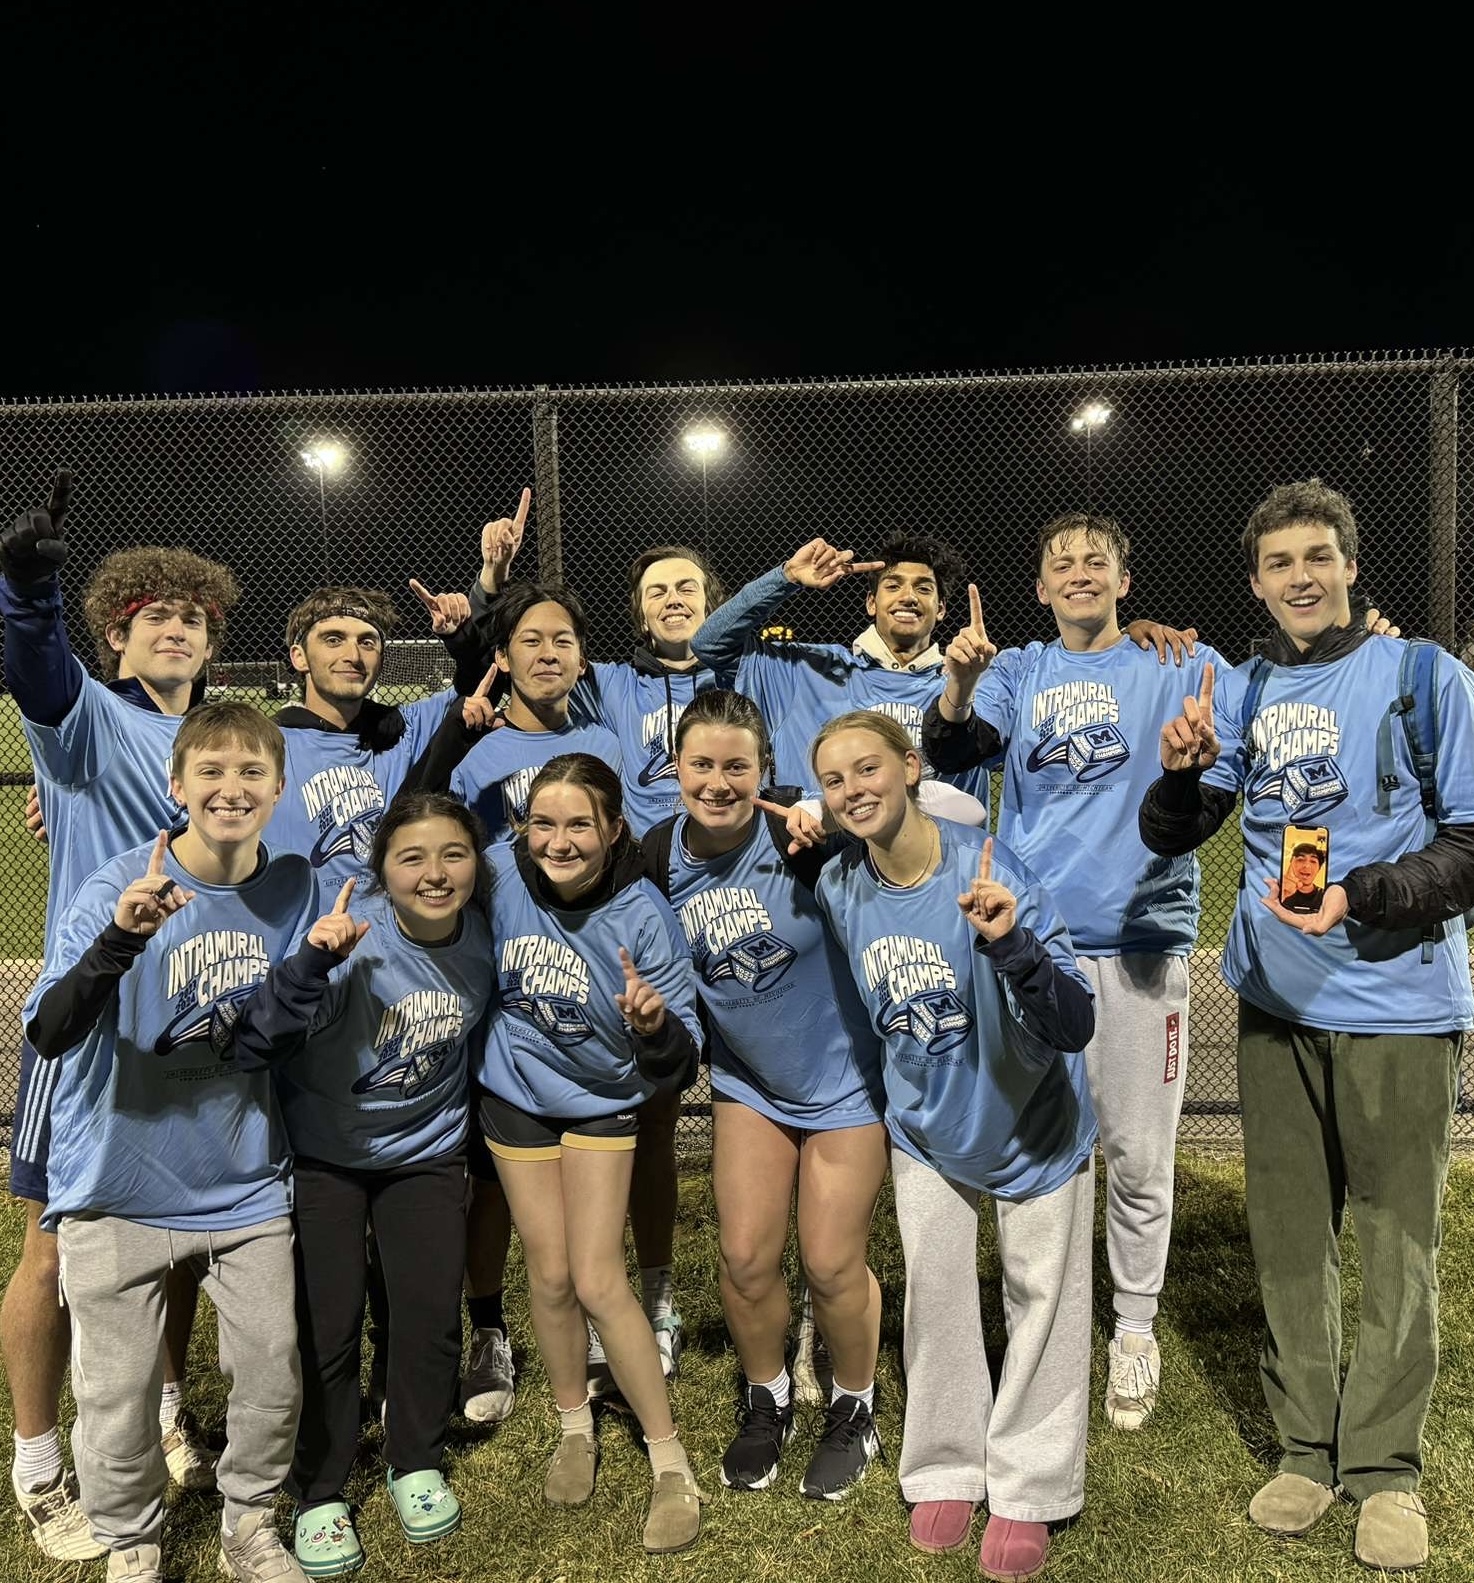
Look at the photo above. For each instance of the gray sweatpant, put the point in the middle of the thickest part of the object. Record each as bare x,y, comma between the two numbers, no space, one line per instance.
1137,1068
112,1276
1025,1452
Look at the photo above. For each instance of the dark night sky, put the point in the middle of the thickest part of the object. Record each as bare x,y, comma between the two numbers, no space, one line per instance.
246,197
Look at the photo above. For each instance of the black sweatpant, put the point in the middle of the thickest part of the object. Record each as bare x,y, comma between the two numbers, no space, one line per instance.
418,1214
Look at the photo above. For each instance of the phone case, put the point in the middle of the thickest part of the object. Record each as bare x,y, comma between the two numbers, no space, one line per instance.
1303,886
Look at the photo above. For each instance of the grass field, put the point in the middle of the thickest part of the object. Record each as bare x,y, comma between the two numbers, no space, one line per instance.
1163,1506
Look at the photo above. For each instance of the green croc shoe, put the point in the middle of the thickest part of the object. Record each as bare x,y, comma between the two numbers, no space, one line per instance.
427,1509
327,1544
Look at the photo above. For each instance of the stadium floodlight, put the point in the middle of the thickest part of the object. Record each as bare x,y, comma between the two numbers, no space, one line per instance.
324,456
1090,417
704,442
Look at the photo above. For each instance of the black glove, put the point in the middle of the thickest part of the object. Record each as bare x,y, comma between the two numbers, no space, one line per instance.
34,547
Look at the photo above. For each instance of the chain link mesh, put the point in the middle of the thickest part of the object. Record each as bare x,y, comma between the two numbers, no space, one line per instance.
1181,459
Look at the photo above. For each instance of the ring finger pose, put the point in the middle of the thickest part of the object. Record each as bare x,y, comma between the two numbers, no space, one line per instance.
797,1095
975,995
596,1013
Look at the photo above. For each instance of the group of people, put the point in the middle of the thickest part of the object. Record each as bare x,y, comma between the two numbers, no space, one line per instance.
333,1001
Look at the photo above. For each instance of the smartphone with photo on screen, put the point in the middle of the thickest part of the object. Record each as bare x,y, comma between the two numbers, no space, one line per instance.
1304,867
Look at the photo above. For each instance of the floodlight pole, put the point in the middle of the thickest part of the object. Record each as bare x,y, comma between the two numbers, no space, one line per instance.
705,512
322,506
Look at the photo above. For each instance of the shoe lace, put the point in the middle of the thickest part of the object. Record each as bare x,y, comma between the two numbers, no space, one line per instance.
845,1421
1131,1375
762,1417
53,1504
492,1356
259,1549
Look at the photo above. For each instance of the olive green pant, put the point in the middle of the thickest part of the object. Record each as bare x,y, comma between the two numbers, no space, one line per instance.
1331,1120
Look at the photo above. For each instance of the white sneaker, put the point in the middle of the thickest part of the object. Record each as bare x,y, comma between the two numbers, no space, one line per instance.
254,1553
812,1371
191,1462
489,1390
142,1564
1135,1374
58,1524
600,1376
670,1338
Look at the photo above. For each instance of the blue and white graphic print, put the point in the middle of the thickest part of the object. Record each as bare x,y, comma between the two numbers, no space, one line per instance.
916,994
731,935
548,984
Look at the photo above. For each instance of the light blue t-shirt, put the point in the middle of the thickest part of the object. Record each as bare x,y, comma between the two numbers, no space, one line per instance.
337,790
642,711
790,1036
496,775
103,779
1081,733
1309,757
970,1089
151,1120
557,1044
383,1079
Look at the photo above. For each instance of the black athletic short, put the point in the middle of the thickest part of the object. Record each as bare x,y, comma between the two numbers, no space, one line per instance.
514,1134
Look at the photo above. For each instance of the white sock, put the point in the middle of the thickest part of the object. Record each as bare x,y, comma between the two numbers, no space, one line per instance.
38,1461
1132,1327
577,1420
170,1403
668,1456
657,1291
867,1396
781,1389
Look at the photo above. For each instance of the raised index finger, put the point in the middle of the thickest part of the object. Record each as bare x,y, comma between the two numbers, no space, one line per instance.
1205,692
423,594
985,862
156,857
341,905
627,962
974,608
484,686
771,807
520,520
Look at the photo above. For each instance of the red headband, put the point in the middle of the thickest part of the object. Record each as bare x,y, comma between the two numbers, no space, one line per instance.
131,609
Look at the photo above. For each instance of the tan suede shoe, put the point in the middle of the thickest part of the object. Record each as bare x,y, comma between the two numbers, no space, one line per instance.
675,1514
1290,1505
570,1476
1392,1531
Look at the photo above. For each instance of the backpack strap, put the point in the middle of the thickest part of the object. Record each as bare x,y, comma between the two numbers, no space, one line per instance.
1416,705
804,865
655,844
1259,671
1418,680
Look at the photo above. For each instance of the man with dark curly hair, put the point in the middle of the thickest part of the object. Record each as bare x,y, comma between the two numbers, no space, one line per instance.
102,753
893,665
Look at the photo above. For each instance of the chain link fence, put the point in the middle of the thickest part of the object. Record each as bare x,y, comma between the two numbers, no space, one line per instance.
1180,455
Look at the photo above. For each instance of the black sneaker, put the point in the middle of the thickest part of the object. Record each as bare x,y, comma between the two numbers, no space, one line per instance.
847,1447
763,1429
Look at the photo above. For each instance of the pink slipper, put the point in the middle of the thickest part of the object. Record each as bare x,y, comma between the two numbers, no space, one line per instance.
939,1526
1013,1551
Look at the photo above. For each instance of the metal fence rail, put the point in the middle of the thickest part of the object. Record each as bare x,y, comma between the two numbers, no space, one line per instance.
1179,454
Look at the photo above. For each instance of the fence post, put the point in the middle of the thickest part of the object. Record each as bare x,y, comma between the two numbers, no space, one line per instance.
1443,506
545,488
